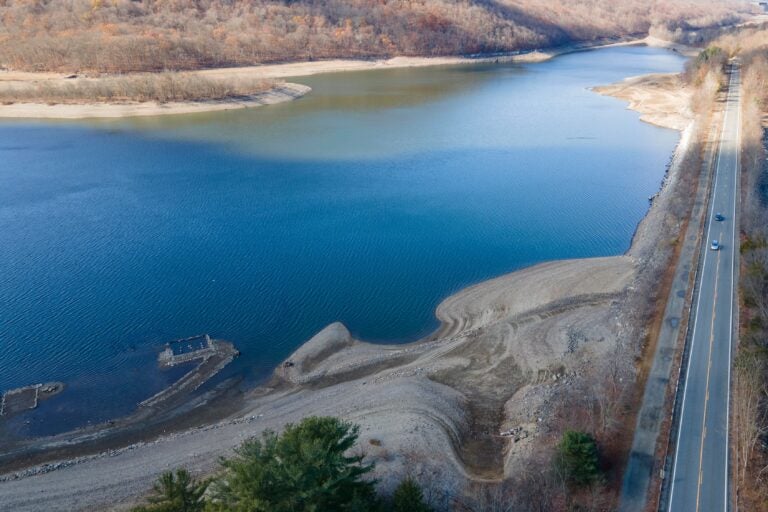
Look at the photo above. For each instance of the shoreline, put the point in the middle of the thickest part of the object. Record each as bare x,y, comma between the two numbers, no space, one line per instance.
660,98
278,94
410,396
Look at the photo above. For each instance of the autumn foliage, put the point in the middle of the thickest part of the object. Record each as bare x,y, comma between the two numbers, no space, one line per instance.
749,399
152,35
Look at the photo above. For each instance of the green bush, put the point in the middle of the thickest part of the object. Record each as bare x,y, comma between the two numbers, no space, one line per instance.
577,458
303,470
177,492
409,498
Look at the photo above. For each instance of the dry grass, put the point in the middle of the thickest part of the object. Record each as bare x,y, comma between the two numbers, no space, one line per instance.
160,87
146,35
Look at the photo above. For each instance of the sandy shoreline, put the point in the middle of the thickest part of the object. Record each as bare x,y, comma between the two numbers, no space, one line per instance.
299,69
411,398
505,350
280,93
661,99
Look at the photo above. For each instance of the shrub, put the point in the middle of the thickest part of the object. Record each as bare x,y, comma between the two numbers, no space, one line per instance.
577,458
305,469
177,492
408,497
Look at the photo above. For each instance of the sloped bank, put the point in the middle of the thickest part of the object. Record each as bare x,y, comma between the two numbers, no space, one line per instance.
472,401
92,110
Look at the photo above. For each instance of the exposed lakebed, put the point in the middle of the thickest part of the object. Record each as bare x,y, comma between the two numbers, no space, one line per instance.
368,201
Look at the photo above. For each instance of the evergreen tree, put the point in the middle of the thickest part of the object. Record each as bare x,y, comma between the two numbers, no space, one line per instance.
177,492
409,498
305,469
578,458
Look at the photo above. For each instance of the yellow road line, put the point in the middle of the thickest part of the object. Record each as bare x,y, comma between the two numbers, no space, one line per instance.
706,394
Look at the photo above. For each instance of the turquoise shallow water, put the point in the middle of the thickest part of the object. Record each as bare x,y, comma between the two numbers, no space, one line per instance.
368,201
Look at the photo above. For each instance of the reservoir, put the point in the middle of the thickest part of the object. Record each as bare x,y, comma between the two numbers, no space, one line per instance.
368,201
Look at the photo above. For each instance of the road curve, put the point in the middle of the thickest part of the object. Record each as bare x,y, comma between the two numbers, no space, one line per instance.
700,473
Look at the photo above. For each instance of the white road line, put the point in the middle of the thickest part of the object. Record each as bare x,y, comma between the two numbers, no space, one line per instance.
698,300
736,199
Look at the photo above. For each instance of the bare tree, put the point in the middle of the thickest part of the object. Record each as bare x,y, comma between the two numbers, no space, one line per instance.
119,36
749,415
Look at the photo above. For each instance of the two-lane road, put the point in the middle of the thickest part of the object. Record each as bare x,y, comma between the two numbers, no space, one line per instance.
700,475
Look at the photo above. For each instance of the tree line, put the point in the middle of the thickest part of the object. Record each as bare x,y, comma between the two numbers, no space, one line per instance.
119,36
159,87
312,466
749,398
750,381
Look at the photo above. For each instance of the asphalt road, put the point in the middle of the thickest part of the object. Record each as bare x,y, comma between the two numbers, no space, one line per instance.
700,475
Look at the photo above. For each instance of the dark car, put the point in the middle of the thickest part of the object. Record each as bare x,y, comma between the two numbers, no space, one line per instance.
719,217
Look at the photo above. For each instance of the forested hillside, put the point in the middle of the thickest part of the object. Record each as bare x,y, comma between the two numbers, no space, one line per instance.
144,35
749,401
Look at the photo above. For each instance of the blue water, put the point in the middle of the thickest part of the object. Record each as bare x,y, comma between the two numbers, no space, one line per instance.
368,202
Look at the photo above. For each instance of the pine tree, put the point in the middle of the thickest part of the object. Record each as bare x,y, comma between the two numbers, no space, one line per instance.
578,458
409,498
177,492
305,469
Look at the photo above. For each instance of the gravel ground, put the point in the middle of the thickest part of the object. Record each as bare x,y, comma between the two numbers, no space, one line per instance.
435,407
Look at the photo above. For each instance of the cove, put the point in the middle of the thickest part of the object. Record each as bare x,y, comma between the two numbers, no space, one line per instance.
368,202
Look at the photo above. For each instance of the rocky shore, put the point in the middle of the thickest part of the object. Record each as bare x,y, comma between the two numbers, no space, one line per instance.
471,401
